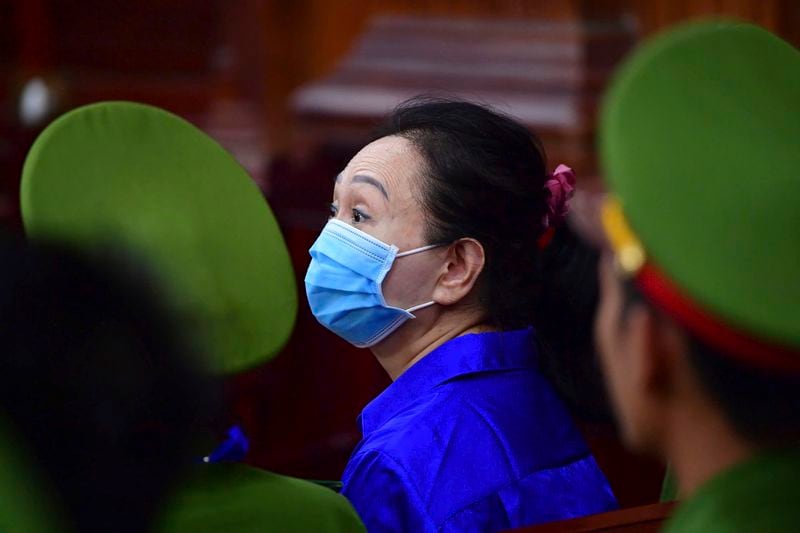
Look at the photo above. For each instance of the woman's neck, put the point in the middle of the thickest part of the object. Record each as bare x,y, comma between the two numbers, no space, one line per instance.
417,338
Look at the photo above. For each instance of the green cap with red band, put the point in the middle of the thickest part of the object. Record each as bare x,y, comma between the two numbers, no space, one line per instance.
700,146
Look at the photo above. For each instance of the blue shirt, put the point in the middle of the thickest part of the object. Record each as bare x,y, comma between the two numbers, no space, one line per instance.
472,438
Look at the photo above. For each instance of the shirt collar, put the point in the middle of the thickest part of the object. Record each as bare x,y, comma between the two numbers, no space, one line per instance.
468,354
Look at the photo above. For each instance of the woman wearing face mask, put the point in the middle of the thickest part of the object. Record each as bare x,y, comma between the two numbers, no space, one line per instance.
431,258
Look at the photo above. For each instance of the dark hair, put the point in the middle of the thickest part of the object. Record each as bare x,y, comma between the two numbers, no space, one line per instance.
97,383
565,312
484,178
763,406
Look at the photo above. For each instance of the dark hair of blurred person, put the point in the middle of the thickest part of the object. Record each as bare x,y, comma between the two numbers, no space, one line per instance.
564,319
98,383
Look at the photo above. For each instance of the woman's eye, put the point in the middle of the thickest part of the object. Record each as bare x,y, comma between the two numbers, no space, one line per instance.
333,210
358,216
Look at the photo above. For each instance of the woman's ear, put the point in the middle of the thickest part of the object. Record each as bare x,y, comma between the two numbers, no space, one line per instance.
464,262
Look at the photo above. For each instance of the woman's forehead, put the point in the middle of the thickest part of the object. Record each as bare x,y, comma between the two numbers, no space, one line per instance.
392,160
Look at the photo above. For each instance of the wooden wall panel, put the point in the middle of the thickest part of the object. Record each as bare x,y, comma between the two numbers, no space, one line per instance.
657,14
306,38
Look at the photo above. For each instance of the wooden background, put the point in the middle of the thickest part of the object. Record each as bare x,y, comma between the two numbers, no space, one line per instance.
279,45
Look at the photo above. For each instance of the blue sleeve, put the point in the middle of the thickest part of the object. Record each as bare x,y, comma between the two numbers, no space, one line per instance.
383,496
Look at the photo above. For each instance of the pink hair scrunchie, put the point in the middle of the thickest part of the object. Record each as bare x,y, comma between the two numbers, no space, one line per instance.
561,185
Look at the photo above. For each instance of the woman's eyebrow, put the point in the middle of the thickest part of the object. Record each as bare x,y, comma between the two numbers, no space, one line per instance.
362,178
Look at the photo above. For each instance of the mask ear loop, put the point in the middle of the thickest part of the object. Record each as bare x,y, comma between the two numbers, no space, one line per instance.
419,250
420,306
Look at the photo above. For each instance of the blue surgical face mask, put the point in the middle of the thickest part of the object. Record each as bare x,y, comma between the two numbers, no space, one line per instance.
343,284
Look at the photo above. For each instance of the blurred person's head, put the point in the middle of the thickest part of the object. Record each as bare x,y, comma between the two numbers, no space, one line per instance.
655,366
439,219
697,327
98,382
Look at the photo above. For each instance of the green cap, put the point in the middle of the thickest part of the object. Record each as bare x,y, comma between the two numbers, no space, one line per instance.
700,144
144,179
236,497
